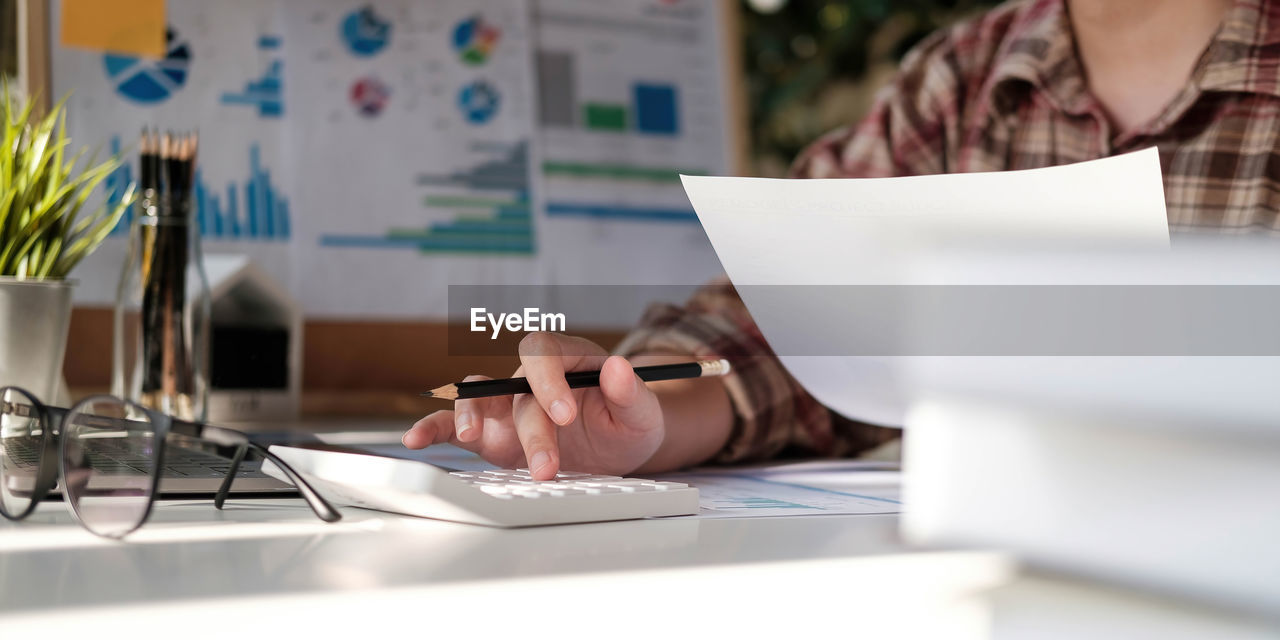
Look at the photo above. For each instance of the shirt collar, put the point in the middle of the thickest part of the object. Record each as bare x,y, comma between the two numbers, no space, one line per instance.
1244,55
1039,51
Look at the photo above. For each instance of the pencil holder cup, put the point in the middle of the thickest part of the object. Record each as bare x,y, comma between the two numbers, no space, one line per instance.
160,355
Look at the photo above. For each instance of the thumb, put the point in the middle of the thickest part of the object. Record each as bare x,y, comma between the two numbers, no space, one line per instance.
631,404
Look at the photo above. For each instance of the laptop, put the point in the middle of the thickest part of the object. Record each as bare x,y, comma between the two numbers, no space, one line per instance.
191,468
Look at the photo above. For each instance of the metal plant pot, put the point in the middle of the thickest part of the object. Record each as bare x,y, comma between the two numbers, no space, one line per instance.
34,317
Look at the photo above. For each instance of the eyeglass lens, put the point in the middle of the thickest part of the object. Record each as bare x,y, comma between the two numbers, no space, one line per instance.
21,442
109,461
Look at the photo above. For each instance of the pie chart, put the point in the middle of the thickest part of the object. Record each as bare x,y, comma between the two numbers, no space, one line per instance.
148,81
474,40
478,102
369,95
365,32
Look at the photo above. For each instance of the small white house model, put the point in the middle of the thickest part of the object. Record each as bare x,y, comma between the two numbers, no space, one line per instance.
255,343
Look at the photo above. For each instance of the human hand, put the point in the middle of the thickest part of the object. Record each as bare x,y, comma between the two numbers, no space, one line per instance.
613,428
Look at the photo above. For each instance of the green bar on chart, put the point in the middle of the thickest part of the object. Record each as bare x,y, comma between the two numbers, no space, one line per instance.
601,116
618,172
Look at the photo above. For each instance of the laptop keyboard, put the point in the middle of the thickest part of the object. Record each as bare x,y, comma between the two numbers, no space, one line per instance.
118,457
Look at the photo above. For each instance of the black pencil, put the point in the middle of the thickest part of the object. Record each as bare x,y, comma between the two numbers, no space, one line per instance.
578,380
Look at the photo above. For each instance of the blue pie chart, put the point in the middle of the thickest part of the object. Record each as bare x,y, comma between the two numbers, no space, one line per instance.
479,102
147,81
365,32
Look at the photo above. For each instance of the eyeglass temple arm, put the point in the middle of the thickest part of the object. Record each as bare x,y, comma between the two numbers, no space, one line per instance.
318,504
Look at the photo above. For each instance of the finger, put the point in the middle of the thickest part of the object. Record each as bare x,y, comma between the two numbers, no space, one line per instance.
537,434
541,359
545,357
469,415
433,429
630,402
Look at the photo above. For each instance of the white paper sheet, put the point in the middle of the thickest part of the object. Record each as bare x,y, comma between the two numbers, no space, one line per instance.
850,487
871,231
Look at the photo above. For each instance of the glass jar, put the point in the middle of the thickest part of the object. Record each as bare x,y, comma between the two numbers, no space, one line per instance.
161,340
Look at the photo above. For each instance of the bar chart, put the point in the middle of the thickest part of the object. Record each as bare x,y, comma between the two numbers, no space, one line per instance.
266,211
653,107
265,93
606,173
487,209
628,101
652,111
116,183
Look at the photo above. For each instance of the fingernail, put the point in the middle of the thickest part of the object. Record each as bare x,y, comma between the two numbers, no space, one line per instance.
464,423
560,412
539,460
404,439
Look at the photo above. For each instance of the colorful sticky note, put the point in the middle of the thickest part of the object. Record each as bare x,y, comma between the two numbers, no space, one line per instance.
134,27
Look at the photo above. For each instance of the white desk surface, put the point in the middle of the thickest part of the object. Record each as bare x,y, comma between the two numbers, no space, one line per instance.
271,561
278,546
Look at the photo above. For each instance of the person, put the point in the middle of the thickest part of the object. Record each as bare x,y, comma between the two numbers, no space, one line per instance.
1031,83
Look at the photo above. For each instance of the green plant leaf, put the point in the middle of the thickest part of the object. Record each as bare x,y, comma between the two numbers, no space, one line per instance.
42,194
85,244
51,258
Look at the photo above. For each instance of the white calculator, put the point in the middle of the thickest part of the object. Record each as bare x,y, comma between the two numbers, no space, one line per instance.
499,498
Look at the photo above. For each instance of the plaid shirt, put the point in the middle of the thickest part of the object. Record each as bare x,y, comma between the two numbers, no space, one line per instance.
1004,91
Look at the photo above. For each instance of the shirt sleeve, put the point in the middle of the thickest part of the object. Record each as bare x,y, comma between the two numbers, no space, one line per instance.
902,135
772,412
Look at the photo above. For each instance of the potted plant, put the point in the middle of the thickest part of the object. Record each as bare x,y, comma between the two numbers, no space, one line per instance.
45,231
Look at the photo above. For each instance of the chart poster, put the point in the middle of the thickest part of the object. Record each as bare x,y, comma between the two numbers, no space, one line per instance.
221,75
367,154
414,151
631,95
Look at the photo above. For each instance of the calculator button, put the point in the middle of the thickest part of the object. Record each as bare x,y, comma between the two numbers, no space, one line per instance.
669,486
631,488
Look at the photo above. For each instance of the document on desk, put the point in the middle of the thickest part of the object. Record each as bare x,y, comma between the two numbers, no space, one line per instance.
849,487
804,254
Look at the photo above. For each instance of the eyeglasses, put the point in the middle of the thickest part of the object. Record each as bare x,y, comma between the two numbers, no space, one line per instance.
39,443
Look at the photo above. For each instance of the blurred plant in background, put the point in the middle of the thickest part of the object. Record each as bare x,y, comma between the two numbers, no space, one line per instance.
814,65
